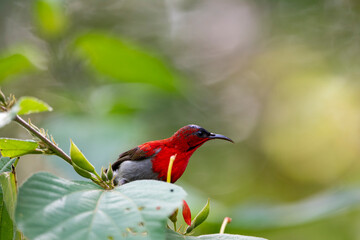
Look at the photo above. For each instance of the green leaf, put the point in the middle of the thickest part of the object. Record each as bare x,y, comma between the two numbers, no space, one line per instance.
79,159
81,171
8,185
8,193
6,224
29,105
171,235
54,208
15,148
200,217
123,61
50,17
14,64
5,164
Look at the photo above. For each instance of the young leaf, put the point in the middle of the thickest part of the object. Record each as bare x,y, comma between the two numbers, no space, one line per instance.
200,217
83,210
79,159
15,148
81,171
29,105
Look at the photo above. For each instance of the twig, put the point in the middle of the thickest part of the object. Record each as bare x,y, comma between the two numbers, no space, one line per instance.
58,151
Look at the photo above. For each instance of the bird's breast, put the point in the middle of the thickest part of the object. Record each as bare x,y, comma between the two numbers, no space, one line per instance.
161,163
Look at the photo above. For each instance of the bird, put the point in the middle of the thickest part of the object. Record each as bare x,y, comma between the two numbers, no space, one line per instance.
150,160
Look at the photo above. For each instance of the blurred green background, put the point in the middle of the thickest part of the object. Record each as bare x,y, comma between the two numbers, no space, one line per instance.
278,77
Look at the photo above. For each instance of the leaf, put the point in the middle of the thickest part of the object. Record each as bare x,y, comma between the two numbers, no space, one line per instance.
81,171
171,235
123,61
200,217
6,224
5,164
79,159
8,193
50,17
54,208
15,148
14,64
29,105
8,185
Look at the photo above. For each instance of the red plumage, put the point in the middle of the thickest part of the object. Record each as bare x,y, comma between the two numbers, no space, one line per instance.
183,143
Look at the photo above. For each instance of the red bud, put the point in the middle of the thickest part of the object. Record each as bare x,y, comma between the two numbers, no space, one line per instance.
186,213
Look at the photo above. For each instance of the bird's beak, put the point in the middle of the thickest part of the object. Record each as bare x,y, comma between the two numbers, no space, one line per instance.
219,136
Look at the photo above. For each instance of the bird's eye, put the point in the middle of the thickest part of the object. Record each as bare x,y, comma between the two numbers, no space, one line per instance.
202,133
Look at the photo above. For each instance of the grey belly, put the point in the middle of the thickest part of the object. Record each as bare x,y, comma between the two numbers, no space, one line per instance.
134,170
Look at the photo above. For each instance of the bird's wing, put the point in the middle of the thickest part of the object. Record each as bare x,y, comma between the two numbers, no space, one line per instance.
135,154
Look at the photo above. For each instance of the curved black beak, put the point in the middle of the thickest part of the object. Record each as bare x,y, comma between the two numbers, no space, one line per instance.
219,136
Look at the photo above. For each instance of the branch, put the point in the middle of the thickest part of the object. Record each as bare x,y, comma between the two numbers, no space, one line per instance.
58,151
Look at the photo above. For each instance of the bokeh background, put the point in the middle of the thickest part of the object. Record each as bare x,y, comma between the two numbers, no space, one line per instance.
278,77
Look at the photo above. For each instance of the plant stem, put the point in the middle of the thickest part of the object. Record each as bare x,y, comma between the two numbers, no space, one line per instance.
223,225
58,151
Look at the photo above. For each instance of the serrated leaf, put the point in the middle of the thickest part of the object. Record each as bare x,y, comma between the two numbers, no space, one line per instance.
171,235
53,208
29,105
15,148
132,63
5,164
79,159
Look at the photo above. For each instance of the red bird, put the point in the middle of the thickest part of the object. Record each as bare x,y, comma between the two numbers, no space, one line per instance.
151,160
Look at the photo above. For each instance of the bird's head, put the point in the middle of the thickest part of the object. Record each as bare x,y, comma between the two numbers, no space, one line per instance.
191,137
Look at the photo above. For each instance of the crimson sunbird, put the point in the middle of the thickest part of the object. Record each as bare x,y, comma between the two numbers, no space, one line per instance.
151,160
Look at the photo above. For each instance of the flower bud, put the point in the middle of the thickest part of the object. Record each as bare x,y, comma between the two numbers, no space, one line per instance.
173,216
103,176
110,173
186,213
